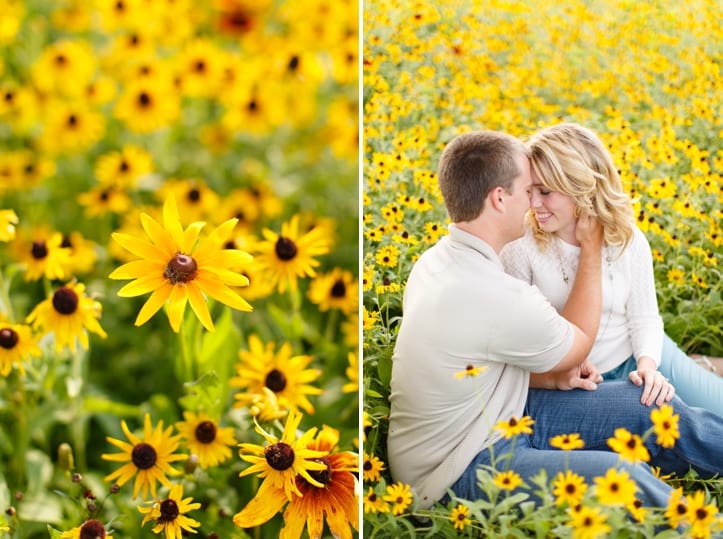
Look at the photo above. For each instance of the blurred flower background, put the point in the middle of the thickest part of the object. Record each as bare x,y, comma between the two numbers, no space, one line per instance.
645,76
124,126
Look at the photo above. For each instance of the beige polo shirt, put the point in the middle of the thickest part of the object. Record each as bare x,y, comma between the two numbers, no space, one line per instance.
461,308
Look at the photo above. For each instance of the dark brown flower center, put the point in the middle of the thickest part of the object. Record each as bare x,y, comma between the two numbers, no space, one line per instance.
143,456
8,338
39,250
280,456
206,432
275,380
92,529
124,166
65,300
322,476
701,513
632,443
367,465
570,488
169,511
72,121
181,269
293,63
144,100
286,248
194,195
338,290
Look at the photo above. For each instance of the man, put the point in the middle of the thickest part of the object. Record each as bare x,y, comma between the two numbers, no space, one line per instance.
473,340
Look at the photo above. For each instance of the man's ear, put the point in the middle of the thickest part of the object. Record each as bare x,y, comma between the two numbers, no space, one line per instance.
496,199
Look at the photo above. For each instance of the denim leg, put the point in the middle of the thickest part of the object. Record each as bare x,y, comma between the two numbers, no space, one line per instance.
595,415
695,385
527,461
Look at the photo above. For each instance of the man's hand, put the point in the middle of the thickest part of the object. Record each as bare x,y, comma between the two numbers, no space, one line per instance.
657,388
584,376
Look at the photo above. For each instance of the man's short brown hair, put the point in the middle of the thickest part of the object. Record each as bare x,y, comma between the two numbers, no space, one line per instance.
472,165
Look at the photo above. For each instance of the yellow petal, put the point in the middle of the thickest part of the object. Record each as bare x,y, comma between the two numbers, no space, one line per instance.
176,306
222,293
140,248
155,302
159,236
198,304
142,285
137,268
268,501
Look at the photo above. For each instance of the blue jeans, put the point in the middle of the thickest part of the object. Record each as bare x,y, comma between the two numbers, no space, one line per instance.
595,415
695,385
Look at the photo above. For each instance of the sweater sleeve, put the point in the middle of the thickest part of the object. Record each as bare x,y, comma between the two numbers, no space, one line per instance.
644,320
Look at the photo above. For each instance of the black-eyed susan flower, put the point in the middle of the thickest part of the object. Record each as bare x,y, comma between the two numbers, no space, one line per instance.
16,346
177,267
588,523
69,314
637,510
289,255
567,442
282,459
372,468
515,426
90,529
123,168
286,375
336,500
71,128
195,200
508,480
701,515
615,488
42,255
83,253
147,105
665,425
169,514
470,371
206,439
335,290
676,512
629,446
8,220
460,517
373,503
568,488
263,406
148,459
399,495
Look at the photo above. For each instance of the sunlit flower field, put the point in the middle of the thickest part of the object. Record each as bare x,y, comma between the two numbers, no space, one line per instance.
646,77
179,268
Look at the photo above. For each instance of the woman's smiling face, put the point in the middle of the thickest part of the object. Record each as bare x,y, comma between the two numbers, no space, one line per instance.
554,211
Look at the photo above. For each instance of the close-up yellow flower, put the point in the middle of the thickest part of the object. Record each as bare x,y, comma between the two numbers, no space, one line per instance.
567,442
629,446
460,517
90,529
665,425
69,315
147,458
16,346
676,512
282,459
615,488
515,426
373,503
588,523
179,267
568,488
289,255
701,515
508,480
335,290
169,514
372,468
204,438
400,496
42,254
287,375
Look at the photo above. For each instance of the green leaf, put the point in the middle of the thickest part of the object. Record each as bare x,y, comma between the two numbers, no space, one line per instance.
384,369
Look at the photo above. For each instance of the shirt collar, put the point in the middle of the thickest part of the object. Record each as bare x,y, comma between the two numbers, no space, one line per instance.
473,242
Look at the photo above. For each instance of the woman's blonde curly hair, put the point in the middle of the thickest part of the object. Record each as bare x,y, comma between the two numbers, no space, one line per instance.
571,159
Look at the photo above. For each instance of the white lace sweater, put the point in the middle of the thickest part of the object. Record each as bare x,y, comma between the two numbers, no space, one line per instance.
630,323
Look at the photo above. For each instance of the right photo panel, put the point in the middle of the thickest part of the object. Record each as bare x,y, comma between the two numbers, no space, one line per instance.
542,231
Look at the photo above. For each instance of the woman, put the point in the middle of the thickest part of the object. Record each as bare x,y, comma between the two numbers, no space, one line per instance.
573,173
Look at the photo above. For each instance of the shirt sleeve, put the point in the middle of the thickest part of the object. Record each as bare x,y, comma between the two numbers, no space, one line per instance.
644,320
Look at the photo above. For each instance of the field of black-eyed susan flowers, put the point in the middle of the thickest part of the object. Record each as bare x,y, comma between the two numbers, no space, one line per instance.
646,77
178,268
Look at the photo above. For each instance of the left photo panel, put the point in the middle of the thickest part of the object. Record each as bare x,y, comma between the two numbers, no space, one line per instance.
179,282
